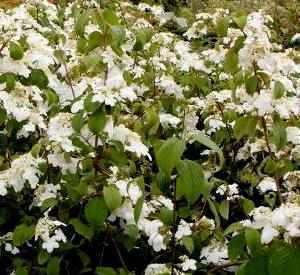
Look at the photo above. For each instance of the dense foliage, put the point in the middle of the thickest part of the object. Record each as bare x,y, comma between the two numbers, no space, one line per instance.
134,141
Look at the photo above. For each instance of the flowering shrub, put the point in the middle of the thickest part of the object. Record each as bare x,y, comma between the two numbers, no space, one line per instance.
126,148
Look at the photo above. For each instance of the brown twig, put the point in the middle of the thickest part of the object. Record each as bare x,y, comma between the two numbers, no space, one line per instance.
116,247
221,266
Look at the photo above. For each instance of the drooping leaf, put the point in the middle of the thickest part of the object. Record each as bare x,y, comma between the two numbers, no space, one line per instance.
82,229
97,121
192,177
251,85
224,209
169,154
245,125
222,26
138,207
278,90
82,21
96,212
53,267
112,197
15,51
78,122
236,247
203,139
253,240
23,233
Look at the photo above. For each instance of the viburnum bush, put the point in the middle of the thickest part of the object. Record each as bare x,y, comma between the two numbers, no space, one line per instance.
132,143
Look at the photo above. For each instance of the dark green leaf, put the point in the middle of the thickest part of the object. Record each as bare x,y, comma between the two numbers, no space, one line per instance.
251,85
23,233
78,122
15,51
138,207
236,247
82,229
188,244
192,177
253,240
278,90
284,259
96,212
203,139
97,121
53,266
257,266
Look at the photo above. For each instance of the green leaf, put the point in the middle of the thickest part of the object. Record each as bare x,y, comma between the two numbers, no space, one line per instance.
222,26
231,62
43,257
245,125
119,34
82,21
224,209
236,247
138,207
106,271
82,229
152,120
15,51
169,154
188,244
9,79
35,150
248,206
110,17
284,259
53,266
23,233
21,270
278,90
192,177
38,78
278,135
97,121
253,240
213,209
95,40
78,122
203,139
257,266
251,85
96,212
143,36
85,259
233,227
240,18
112,197
166,216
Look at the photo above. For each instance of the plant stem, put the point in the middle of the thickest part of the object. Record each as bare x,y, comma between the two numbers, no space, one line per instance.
116,247
173,248
275,174
218,267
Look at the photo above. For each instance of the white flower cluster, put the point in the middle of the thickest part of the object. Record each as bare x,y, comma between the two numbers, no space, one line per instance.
49,232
